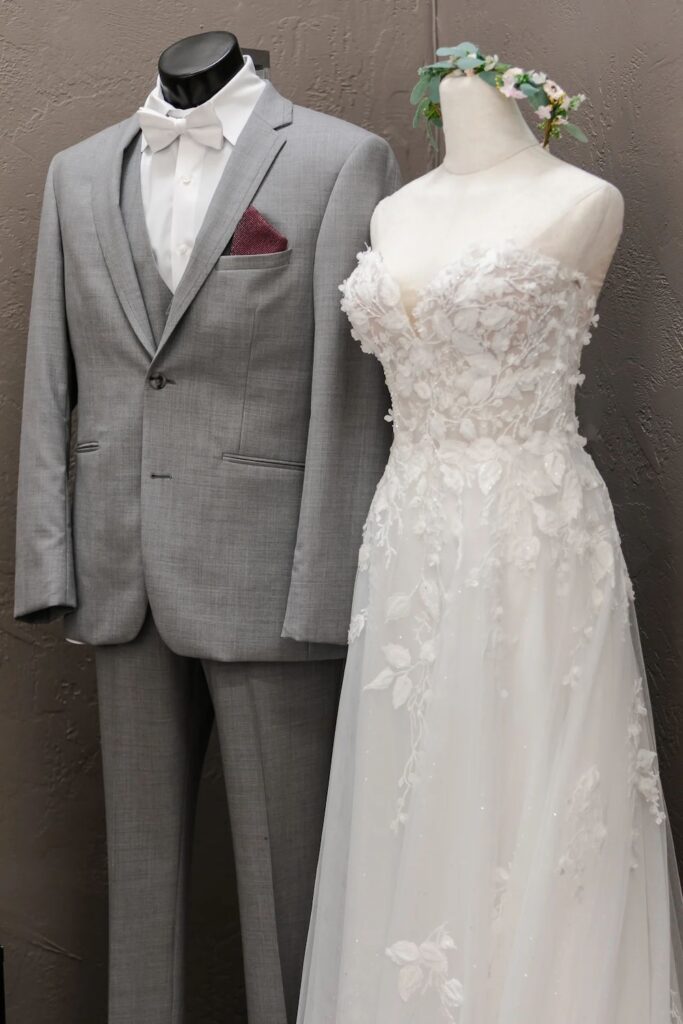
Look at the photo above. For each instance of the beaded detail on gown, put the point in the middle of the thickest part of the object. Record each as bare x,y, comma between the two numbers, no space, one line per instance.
496,849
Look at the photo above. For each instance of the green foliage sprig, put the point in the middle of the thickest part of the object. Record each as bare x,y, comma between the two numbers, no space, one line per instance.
549,100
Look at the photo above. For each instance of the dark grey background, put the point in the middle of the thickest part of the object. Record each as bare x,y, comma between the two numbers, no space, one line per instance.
70,67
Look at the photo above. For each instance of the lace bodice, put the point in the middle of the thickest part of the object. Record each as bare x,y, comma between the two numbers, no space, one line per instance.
492,347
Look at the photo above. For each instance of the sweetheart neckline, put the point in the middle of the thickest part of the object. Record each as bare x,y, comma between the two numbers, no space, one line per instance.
506,244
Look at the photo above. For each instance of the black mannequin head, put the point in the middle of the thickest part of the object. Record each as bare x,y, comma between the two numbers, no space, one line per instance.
196,68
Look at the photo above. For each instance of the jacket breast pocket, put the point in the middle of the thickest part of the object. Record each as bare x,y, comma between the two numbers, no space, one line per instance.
256,261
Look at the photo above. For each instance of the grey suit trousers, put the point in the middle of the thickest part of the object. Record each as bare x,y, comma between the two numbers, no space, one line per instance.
275,723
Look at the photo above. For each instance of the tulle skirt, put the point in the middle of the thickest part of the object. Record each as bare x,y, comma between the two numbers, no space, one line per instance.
496,848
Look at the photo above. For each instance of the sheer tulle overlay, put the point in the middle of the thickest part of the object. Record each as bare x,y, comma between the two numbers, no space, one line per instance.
496,849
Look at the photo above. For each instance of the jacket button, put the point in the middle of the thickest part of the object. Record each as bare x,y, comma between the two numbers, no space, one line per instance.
157,381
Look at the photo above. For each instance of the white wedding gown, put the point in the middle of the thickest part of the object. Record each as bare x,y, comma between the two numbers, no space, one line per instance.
495,848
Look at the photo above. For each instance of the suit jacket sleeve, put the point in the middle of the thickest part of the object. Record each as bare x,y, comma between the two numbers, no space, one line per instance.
348,438
44,573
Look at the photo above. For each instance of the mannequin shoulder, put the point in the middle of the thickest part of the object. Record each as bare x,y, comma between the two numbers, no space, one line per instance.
400,207
91,144
76,163
590,219
331,139
603,206
588,196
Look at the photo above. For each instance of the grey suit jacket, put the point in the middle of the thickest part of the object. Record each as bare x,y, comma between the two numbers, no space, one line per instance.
223,476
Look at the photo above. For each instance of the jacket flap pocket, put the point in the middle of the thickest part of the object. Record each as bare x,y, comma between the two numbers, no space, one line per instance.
255,460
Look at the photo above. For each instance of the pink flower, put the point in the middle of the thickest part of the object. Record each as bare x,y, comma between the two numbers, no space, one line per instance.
509,86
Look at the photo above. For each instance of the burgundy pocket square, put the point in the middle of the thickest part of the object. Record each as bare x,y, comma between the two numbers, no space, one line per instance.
254,235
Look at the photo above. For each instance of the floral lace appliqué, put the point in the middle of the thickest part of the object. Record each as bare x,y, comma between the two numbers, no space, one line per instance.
644,775
482,378
586,828
424,967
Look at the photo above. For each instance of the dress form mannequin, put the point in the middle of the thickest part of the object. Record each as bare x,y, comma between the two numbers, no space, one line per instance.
496,182
194,69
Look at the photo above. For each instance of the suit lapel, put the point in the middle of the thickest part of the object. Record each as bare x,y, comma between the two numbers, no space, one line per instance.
256,149
111,230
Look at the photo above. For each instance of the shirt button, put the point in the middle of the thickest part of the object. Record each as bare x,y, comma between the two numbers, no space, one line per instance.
183,249
186,180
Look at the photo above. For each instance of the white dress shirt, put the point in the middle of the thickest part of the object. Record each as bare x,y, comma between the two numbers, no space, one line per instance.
179,181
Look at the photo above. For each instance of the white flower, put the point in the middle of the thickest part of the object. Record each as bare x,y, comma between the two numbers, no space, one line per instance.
429,592
364,557
573,677
603,560
397,656
495,315
538,77
437,426
382,681
357,626
468,430
480,390
489,474
553,91
453,995
403,687
398,605
433,957
403,952
410,980
428,651
526,552
452,477
544,112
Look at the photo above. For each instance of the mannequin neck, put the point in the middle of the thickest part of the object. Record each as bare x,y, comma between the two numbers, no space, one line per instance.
481,127
194,69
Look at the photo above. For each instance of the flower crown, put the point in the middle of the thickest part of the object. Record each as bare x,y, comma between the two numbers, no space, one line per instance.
551,103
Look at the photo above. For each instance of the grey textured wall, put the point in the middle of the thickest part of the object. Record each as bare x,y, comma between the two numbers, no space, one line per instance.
70,67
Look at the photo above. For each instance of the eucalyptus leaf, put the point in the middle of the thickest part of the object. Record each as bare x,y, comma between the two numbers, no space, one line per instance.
419,89
575,131
464,63
489,76
457,51
434,90
537,97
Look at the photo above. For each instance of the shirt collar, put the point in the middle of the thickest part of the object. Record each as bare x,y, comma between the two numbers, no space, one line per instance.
233,103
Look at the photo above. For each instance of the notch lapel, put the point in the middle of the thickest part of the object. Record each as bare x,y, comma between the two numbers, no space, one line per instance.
111,231
257,146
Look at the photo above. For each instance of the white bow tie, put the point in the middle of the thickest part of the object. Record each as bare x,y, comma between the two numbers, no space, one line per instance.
203,125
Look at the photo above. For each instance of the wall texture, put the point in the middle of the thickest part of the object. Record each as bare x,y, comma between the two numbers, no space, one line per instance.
70,67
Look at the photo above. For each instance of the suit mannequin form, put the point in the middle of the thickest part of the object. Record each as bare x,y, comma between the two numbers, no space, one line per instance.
209,551
495,182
